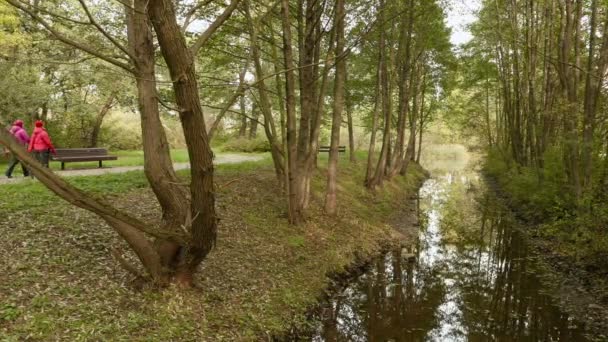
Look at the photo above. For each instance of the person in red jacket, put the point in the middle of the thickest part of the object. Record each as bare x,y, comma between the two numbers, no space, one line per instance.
41,145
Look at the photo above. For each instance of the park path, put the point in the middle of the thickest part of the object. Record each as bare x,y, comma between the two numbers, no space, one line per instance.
227,158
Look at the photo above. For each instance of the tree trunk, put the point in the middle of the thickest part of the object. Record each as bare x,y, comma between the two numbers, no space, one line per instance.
379,174
202,220
375,114
278,156
349,115
253,125
295,209
99,119
405,45
332,170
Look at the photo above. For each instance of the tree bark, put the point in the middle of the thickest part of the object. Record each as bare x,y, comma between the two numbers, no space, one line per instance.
253,125
375,114
295,213
379,174
99,118
349,115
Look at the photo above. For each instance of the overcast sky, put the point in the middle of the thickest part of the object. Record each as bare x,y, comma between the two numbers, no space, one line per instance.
460,14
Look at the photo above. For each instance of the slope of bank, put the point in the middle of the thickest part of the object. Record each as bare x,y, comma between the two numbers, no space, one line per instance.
571,247
59,282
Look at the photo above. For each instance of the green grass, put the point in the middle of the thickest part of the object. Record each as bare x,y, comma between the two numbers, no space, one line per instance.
125,158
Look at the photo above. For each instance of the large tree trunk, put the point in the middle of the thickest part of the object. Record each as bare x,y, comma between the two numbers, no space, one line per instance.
332,169
99,118
158,165
308,87
133,231
202,221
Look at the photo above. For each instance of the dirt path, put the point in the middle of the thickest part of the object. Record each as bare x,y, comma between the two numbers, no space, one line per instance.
219,159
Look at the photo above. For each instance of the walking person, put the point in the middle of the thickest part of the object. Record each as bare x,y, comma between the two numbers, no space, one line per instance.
21,136
41,145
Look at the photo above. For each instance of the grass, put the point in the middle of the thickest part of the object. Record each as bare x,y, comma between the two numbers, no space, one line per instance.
59,281
125,158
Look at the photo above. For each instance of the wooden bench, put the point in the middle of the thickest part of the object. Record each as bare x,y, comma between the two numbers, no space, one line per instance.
341,149
70,155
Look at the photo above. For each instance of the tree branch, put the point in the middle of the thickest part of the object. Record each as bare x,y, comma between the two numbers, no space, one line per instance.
104,32
204,37
66,40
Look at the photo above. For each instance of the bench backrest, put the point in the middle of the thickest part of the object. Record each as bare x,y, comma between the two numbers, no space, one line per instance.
328,148
76,152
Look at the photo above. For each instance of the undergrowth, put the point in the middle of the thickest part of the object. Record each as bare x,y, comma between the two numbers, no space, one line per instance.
543,197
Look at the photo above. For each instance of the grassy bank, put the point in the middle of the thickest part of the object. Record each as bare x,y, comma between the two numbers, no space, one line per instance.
59,281
575,240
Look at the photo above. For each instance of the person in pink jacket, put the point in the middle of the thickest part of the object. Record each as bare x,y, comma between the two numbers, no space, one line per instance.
41,144
21,136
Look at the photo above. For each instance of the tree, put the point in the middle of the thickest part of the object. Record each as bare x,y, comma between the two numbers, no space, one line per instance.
187,232
339,84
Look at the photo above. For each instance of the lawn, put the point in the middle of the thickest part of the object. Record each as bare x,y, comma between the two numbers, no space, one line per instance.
59,281
125,158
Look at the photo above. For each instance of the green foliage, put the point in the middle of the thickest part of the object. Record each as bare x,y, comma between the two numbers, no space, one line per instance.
538,193
544,198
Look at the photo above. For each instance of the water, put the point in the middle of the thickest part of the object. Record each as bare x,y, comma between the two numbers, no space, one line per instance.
468,278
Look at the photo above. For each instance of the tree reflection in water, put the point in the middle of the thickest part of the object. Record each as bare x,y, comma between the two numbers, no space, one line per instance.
480,286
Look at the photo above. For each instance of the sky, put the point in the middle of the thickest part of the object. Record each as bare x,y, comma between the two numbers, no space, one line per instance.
460,14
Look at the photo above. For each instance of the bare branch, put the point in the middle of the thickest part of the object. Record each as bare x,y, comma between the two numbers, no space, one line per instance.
204,37
104,32
191,12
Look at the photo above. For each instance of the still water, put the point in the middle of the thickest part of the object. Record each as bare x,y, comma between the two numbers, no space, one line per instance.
468,277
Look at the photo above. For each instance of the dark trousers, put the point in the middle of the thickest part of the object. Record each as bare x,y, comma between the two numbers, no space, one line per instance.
43,157
12,164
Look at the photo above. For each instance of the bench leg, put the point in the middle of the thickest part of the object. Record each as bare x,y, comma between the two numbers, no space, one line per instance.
100,164
62,166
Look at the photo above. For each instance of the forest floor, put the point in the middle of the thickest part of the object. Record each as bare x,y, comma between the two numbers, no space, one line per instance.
58,280
79,170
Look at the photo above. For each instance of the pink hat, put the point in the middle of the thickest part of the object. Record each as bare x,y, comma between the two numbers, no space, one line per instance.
18,123
39,123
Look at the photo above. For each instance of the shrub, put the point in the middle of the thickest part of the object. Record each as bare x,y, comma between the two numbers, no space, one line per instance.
256,145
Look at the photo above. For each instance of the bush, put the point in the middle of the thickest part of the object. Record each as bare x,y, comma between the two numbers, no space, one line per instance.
538,196
256,145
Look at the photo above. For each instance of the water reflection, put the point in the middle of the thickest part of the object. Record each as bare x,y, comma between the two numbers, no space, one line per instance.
467,278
